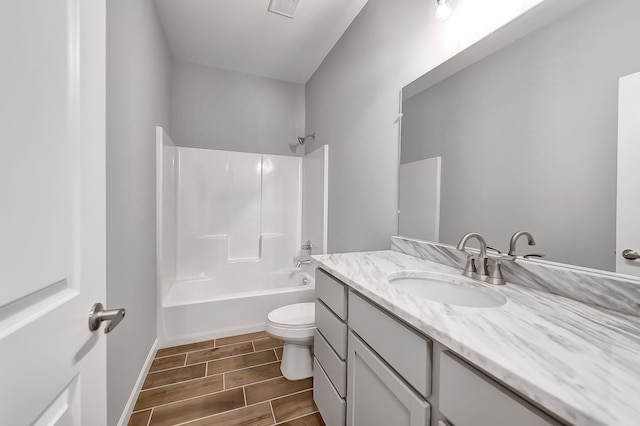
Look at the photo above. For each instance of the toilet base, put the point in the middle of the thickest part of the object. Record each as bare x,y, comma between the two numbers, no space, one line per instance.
297,361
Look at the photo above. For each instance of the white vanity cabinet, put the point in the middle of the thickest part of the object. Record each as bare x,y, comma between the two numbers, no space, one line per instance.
372,369
351,375
330,349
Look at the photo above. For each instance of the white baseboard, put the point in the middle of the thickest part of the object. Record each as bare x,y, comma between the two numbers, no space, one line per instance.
128,409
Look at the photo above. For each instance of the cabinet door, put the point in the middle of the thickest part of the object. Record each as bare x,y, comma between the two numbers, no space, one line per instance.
469,398
376,396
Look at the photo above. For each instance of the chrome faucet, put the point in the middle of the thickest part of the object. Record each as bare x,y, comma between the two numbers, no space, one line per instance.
514,239
471,269
299,262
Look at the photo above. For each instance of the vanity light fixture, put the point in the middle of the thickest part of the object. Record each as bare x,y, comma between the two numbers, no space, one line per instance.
443,10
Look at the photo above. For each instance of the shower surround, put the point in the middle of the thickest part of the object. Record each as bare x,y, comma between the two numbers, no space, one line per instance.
229,231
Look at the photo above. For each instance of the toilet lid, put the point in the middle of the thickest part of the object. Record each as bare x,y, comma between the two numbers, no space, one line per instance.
298,314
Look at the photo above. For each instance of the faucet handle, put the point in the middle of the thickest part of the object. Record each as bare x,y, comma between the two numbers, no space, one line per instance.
470,267
495,273
307,247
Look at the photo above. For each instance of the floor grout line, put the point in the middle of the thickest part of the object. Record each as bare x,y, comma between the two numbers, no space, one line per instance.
171,368
150,415
290,394
214,346
188,399
255,383
181,353
246,368
296,418
218,414
243,341
231,356
175,368
273,414
181,381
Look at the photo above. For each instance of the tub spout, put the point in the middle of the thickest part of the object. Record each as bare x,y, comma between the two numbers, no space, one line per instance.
299,262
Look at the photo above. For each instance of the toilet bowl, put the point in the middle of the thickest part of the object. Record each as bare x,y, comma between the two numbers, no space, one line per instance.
295,325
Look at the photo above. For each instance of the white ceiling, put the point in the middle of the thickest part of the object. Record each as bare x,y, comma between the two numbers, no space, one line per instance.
241,35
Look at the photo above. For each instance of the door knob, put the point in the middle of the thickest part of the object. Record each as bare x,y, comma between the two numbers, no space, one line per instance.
630,254
98,314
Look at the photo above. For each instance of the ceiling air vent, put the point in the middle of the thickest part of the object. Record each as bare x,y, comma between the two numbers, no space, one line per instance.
283,7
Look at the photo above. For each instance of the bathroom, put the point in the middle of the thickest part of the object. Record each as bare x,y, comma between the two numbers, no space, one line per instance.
351,102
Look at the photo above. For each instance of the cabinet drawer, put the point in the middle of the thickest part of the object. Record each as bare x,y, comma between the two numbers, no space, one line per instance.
469,398
332,329
406,351
377,396
335,368
332,293
332,408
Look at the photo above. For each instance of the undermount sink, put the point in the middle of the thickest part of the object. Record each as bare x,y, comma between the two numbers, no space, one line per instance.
446,288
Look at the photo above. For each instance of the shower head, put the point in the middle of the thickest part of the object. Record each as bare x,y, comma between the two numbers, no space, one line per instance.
302,140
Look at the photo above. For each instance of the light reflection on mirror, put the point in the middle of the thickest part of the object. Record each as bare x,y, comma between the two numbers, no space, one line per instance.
528,136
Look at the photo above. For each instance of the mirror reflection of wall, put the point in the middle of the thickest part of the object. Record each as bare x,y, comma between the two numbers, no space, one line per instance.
528,136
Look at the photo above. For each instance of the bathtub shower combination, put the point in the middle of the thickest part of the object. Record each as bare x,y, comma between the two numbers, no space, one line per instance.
229,229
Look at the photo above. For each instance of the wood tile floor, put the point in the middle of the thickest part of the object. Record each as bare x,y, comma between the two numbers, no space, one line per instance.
230,381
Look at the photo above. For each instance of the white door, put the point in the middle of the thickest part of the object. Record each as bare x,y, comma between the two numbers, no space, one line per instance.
52,211
419,199
628,208
315,196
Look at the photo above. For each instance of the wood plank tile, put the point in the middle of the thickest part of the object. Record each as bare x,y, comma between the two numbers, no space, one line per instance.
279,352
179,391
166,362
293,406
174,375
267,343
251,375
140,418
275,388
196,408
241,361
217,353
254,415
241,338
311,420
184,348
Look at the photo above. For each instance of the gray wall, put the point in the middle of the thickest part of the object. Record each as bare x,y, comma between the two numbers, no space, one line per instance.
138,66
528,136
218,109
352,102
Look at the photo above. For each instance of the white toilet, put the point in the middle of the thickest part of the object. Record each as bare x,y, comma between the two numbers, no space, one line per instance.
295,325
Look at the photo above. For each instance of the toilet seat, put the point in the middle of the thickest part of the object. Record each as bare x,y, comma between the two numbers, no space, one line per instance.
299,315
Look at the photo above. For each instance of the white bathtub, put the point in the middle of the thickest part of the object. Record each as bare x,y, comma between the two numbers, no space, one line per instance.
213,307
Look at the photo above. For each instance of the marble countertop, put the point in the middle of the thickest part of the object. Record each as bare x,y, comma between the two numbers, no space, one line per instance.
581,363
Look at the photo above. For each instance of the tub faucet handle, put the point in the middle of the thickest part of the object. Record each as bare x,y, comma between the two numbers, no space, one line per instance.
307,247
